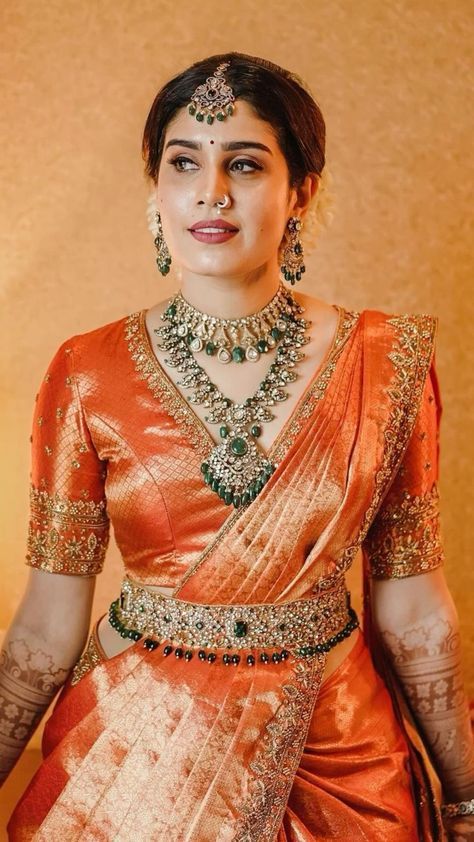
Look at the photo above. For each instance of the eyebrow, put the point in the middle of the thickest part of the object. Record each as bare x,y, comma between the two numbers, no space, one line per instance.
227,147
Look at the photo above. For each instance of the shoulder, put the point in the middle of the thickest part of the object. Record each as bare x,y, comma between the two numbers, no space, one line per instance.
103,342
400,326
406,339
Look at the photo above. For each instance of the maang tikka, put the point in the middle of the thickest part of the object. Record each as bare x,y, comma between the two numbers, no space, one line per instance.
213,99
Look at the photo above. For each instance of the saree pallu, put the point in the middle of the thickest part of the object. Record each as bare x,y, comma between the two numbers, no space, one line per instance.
353,780
151,748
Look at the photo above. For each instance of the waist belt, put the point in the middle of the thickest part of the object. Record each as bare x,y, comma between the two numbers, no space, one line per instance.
302,627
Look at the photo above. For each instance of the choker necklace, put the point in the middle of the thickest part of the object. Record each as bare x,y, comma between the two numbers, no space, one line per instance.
236,469
231,339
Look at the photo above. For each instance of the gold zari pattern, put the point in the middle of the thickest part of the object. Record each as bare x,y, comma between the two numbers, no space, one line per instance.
406,540
66,536
88,660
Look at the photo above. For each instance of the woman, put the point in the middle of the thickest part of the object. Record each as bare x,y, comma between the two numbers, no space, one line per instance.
230,694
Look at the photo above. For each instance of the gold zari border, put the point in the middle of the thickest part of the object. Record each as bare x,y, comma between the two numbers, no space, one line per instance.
411,354
89,659
66,536
406,540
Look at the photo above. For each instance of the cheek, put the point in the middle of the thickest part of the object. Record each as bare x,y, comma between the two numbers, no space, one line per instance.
270,224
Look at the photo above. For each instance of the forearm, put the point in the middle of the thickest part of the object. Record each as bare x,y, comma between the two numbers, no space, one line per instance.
31,672
426,655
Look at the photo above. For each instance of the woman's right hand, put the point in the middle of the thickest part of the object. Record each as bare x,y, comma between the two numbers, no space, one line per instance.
42,644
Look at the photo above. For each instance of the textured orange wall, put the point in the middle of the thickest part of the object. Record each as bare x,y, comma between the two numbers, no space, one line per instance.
393,83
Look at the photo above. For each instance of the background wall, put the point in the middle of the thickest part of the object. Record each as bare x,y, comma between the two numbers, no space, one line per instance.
392,80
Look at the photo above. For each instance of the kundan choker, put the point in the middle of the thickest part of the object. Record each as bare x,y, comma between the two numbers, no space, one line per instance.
230,340
236,469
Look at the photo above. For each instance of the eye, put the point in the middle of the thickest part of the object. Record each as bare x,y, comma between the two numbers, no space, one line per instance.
179,164
180,159
247,163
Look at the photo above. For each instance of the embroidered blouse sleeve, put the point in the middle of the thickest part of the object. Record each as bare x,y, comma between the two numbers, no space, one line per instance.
68,527
404,539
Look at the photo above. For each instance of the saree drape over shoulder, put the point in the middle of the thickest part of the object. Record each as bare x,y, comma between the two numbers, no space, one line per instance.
152,748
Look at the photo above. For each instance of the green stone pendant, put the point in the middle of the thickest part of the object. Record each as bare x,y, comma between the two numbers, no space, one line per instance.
236,470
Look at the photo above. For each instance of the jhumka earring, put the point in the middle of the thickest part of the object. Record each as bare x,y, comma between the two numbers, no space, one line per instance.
163,261
292,265
214,98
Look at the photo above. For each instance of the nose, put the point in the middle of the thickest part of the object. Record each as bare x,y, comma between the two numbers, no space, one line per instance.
214,185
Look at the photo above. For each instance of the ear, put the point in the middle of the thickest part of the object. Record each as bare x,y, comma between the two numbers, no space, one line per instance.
302,196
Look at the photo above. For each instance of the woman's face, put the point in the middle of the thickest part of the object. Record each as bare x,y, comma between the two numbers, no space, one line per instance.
200,163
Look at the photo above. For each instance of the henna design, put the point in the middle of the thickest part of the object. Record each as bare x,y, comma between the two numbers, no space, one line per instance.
29,680
427,658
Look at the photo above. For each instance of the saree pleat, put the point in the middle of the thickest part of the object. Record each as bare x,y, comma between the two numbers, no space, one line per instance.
154,748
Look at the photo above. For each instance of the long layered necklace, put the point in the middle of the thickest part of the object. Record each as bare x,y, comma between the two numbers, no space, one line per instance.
236,469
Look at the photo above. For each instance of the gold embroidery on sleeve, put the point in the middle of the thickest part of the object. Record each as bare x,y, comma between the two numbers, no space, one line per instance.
406,540
66,536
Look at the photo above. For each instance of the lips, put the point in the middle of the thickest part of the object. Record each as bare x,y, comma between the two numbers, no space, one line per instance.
213,224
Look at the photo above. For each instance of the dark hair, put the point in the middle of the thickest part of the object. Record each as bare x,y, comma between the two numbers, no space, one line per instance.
277,96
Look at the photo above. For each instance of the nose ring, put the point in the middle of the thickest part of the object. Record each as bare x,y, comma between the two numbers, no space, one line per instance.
225,202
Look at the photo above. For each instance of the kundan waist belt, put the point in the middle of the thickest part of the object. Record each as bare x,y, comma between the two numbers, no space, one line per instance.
303,627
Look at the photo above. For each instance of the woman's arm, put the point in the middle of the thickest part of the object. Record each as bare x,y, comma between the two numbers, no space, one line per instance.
42,644
419,625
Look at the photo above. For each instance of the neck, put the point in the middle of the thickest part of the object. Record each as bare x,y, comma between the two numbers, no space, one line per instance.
230,297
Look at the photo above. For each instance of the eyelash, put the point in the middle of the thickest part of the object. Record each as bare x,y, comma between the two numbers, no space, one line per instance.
180,158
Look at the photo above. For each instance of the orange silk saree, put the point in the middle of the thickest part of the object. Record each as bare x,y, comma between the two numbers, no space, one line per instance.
148,747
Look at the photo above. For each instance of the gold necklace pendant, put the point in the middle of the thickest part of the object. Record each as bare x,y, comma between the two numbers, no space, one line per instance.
236,470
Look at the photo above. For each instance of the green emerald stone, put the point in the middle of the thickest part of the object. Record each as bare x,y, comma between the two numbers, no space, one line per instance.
220,115
192,109
240,628
236,500
199,117
204,467
228,497
210,348
239,446
222,490
210,119
223,432
215,484
238,354
256,430
262,345
276,333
